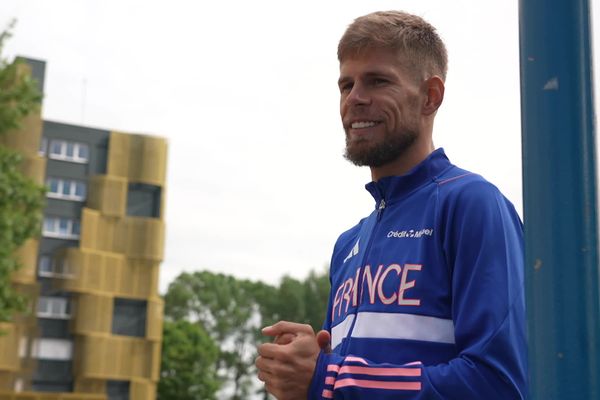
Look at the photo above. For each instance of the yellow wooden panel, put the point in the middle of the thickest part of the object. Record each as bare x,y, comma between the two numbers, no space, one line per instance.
154,320
93,314
154,275
102,233
27,255
91,270
145,238
137,237
113,274
7,380
108,194
89,235
155,362
139,158
136,279
118,155
26,139
9,347
90,386
34,166
152,168
8,395
116,357
142,390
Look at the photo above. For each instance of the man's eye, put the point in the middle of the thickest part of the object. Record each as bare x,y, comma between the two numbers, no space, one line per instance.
345,87
379,82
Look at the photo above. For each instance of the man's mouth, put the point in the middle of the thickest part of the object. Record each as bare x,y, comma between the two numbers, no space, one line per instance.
363,124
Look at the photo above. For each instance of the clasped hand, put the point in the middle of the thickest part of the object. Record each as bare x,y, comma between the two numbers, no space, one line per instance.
286,366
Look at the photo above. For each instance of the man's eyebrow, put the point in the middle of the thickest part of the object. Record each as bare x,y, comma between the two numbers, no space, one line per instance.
343,80
369,74
377,73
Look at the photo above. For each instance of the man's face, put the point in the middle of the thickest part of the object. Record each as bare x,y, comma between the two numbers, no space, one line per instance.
379,106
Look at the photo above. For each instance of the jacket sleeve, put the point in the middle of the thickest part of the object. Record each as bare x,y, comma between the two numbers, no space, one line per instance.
482,243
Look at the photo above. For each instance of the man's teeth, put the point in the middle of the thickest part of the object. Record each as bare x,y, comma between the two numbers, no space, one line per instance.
359,125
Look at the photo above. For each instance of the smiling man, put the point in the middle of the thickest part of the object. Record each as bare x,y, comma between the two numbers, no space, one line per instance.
427,298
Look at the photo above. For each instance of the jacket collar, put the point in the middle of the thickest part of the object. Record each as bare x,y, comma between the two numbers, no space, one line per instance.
393,188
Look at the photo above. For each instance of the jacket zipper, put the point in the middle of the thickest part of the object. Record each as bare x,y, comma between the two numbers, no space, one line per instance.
380,209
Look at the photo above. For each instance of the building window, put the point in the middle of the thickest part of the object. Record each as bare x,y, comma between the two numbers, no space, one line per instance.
66,189
62,228
45,266
43,146
54,328
53,307
53,376
129,317
52,349
69,151
54,268
23,347
143,200
117,390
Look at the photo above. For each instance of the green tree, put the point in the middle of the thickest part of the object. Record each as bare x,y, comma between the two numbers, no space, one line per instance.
298,301
316,296
21,200
187,363
233,310
19,94
294,300
226,307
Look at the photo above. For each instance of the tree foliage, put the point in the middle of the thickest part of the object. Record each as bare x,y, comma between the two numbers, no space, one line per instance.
19,94
188,363
226,308
21,200
233,310
20,204
299,301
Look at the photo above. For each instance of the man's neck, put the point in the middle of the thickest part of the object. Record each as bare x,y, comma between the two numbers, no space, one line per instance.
404,163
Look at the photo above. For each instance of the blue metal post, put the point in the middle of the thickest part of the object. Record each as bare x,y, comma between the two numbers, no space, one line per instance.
560,205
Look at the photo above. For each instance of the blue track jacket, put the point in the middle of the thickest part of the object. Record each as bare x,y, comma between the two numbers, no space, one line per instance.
427,294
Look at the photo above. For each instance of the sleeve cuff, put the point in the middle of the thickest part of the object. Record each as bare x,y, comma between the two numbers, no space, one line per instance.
317,384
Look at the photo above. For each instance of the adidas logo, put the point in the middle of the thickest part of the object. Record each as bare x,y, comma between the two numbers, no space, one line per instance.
353,252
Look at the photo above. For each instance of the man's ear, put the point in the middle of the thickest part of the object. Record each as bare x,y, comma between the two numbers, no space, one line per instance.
434,88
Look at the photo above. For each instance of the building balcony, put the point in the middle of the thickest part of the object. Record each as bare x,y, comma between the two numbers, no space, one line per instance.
117,358
138,158
134,237
6,395
92,271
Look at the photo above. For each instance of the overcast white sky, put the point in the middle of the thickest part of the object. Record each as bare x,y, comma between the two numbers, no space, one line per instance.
245,92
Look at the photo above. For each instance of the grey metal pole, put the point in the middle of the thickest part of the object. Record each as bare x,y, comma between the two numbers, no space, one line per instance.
560,200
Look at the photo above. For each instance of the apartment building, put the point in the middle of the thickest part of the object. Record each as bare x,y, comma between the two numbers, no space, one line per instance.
96,329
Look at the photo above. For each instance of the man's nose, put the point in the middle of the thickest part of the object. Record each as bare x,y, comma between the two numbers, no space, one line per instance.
358,96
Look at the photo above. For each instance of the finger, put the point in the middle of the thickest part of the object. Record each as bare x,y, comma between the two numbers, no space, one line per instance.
261,376
264,364
284,338
324,340
269,350
287,327
264,376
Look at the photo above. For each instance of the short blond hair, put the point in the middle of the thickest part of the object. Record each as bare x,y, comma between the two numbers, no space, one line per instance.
413,37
